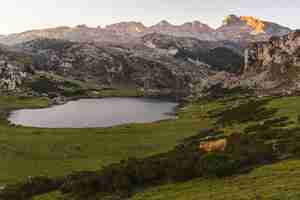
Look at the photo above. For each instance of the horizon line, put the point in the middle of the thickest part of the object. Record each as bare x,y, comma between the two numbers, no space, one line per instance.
134,21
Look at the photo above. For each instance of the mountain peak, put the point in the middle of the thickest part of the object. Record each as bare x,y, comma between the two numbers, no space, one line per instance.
195,23
82,26
196,27
164,23
231,19
251,21
131,27
249,28
255,23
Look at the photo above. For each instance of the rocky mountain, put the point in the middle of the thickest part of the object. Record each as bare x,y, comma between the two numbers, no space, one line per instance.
163,59
246,29
81,33
153,66
124,32
168,42
239,29
274,66
152,72
127,28
220,55
194,29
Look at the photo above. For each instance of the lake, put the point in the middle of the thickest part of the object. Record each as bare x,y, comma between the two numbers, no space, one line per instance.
92,113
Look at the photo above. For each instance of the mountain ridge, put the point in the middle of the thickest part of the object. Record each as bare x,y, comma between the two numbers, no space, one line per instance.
240,29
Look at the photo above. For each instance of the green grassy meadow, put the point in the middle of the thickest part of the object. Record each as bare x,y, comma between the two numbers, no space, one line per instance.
56,152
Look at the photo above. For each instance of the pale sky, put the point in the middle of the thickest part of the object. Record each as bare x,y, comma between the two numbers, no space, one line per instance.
22,15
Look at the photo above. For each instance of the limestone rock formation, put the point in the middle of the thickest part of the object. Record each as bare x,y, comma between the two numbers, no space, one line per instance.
151,71
193,29
220,55
129,28
247,29
275,65
13,69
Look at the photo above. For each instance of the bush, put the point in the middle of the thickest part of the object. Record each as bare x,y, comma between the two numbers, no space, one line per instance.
252,110
220,58
30,188
43,85
218,164
249,150
184,162
54,88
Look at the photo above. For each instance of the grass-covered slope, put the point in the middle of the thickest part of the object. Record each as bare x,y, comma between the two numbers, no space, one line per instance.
278,181
52,152
55,152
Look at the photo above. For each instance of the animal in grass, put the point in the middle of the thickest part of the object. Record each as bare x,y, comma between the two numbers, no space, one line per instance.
214,146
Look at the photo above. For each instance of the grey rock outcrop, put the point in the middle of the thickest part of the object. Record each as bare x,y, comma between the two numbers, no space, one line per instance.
10,76
152,72
275,65
12,70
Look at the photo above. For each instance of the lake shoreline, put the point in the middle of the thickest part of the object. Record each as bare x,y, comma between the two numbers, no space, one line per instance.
164,111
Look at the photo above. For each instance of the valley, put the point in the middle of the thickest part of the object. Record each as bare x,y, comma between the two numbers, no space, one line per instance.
235,134
67,150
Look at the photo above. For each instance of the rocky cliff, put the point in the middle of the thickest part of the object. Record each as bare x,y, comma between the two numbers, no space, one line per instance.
15,67
129,28
245,29
274,66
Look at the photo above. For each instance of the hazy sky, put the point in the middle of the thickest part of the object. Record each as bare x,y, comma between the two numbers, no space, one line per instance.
21,15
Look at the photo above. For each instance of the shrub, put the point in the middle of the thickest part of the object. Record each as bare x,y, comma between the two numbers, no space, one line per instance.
54,88
31,187
186,161
220,58
218,164
252,110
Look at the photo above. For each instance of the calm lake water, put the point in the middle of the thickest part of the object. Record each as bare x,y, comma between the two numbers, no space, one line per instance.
89,113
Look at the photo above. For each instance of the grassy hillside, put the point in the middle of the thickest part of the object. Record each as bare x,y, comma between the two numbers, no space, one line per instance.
54,152
278,181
